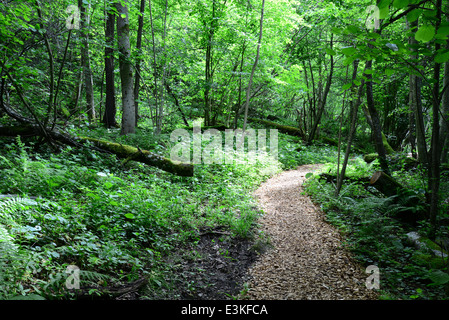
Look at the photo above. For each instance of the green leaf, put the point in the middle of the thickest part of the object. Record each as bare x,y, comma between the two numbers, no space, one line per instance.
389,72
443,30
347,86
330,52
348,51
442,57
308,175
129,216
399,4
439,277
384,12
425,33
414,15
336,30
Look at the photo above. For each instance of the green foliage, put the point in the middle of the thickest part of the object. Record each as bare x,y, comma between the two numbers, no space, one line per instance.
114,220
375,237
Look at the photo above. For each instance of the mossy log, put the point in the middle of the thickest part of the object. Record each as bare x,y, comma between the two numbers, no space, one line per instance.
385,184
120,150
144,156
412,207
293,131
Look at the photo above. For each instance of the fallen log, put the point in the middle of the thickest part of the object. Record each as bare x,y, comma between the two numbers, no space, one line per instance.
144,156
293,131
407,205
385,184
121,151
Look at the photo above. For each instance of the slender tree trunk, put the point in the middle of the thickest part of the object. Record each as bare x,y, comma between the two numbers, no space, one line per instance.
110,104
444,126
376,125
156,90
51,105
126,74
434,181
415,104
85,61
354,111
239,101
164,72
323,98
208,68
139,59
248,90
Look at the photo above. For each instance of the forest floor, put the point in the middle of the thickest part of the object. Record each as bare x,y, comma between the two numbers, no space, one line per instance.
305,258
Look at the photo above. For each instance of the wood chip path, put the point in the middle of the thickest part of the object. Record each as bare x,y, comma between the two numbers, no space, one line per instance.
307,261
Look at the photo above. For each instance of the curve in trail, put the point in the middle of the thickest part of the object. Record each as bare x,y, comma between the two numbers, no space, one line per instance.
307,260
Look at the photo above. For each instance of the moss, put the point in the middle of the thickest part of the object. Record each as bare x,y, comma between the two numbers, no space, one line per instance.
428,260
388,148
370,157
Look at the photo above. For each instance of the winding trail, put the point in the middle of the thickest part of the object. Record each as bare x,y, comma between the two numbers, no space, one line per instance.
307,261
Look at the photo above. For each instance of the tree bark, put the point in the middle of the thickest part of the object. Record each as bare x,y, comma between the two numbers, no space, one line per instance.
444,122
248,90
323,98
85,61
415,104
376,125
354,111
110,106
126,74
156,90
434,181
297,132
139,59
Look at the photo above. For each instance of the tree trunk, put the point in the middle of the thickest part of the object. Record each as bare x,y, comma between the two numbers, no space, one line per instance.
85,61
376,126
208,73
323,98
248,90
126,74
139,59
156,90
354,111
444,122
416,105
110,106
434,181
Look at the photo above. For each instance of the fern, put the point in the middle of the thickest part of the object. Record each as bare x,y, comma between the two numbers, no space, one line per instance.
6,241
10,207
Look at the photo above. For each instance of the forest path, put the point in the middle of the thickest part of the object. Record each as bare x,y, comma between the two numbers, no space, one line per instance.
307,261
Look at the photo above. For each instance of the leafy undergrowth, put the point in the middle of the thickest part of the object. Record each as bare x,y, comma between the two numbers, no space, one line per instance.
115,222
364,217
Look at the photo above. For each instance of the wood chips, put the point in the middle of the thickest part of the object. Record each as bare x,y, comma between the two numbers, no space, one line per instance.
307,261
